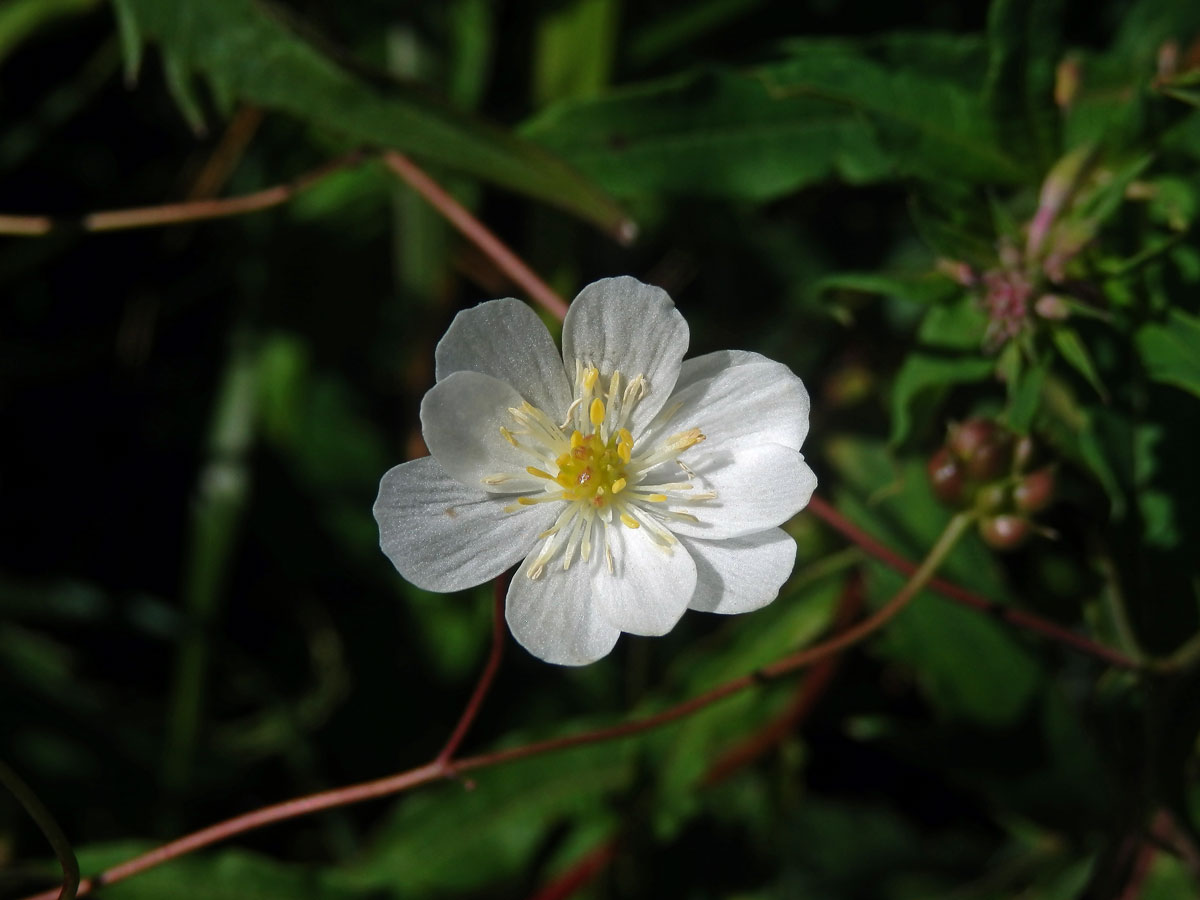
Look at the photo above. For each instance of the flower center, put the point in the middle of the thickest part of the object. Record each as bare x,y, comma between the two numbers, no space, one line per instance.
594,473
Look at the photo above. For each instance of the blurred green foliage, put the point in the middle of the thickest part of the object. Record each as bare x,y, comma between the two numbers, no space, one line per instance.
930,211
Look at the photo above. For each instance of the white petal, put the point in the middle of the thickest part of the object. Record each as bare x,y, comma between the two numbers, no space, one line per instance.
741,574
700,367
755,402
649,588
555,617
442,536
461,417
507,340
620,324
758,487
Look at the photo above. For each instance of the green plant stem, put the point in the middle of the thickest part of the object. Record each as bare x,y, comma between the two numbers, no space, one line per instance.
1185,657
439,769
46,822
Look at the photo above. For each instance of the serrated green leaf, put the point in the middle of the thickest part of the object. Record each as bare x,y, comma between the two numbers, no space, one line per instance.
828,111
716,133
246,51
934,128
1171,351
1075,352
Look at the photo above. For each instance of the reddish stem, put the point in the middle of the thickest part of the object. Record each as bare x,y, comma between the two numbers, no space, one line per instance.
1019,618
811,689
176,213
485,679
580,874
478,233
395,784
585,870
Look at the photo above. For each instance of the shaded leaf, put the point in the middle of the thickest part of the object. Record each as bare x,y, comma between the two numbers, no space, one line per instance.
827,111
1023,45
715,132
1075,352
248,54
1171,351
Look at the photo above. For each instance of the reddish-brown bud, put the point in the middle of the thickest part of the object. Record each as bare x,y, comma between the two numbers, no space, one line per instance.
1035,491
1004,532
946,478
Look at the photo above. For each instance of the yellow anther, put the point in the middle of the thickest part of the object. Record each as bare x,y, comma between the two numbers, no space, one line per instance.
589,378
538,473
508,436
526,501
624,436
657,498
576,439
625,451
619,485
685,439
596,413
629,521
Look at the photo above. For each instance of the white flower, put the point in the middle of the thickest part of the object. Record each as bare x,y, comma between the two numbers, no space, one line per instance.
634,485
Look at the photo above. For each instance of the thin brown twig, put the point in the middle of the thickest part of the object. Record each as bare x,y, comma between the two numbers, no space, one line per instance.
50,828
486,677
437,769
177,213
478,233
961,595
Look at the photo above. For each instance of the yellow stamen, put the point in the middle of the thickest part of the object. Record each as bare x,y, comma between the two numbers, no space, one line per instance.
538,473
508,436
629,521
596,413
590,378
619,485
657,498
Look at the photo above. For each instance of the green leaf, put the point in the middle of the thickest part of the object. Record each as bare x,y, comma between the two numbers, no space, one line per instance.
923,288
828,111
229,875
1023,44
934,128
247,53
1171,351
452,840
716,133
1075,352
1026,396
969,665
950,336
1184,87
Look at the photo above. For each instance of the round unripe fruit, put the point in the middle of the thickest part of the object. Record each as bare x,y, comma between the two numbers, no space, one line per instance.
1035,491
946,478
967,437
1004,532
985,448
